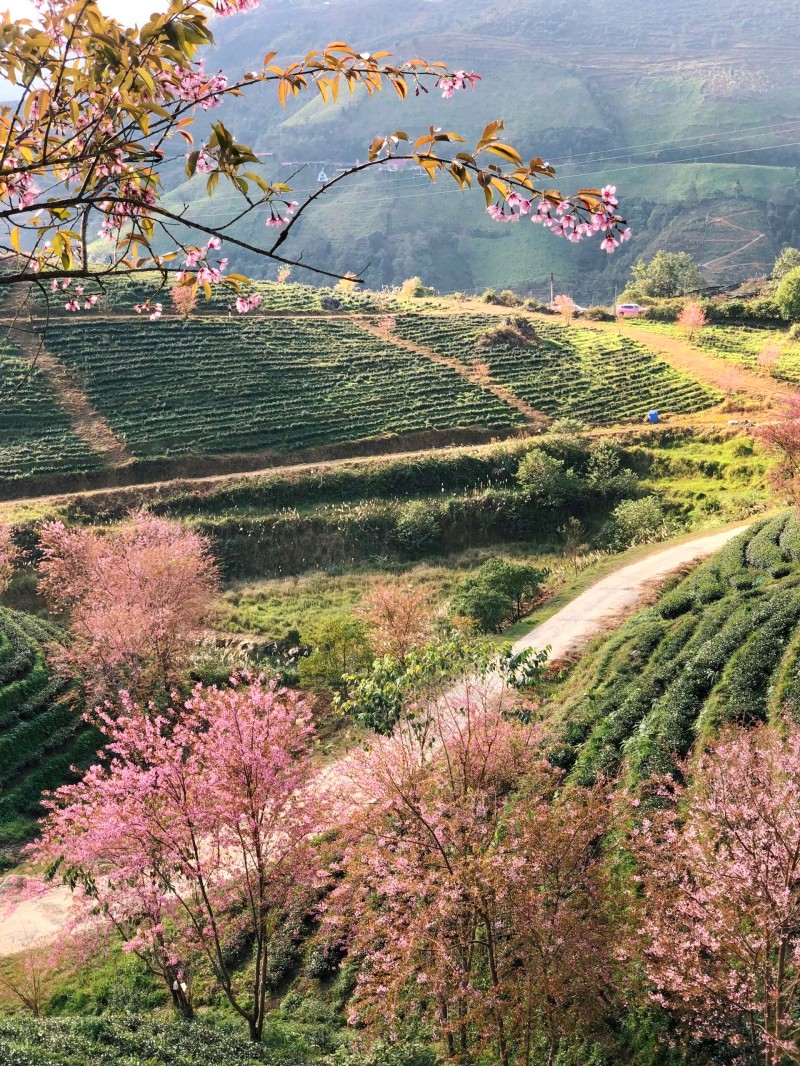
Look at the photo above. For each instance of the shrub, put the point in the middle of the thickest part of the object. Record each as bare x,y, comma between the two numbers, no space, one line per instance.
606,476
570,427
486,607
417,530
788,295
412,288
515,331
639,521
665,310
498,591
763,311
546,478
341,649
506,298
598,314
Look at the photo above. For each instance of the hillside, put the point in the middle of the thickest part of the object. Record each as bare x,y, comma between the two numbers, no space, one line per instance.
720,647
116,393
41,732
691,112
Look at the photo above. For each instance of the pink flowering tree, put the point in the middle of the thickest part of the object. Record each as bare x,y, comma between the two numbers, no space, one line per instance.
135,598
565,306
692,319
721,897
399,617
8,556
782,439
471,897
99,108
193,835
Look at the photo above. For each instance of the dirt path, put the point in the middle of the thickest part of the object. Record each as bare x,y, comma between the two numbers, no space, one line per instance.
533,419
87,422
601,607
596,610
722,374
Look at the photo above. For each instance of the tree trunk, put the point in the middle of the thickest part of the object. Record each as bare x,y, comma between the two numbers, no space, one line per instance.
181,1004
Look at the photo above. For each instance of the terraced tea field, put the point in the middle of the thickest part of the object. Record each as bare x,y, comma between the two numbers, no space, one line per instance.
295,376
723,646
742,345
227,385
36,437
120,295
41,733
600,378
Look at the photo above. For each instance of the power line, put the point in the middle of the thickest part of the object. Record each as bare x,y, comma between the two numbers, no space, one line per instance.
701,139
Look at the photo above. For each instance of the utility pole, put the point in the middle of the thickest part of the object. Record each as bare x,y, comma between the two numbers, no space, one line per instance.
552,283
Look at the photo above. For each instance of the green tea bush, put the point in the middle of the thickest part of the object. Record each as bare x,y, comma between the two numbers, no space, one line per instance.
132,1039
723,647
42,734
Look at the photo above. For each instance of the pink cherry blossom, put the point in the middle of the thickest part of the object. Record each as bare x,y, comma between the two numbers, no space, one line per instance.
195,826
233,7
720,894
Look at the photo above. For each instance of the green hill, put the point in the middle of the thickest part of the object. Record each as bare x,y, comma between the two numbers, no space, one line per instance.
305,372
690,110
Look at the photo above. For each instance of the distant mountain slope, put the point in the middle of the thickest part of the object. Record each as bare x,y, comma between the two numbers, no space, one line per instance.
611,91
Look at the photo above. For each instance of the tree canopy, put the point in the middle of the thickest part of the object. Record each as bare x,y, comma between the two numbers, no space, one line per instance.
789,259
101,109
788,295
666,274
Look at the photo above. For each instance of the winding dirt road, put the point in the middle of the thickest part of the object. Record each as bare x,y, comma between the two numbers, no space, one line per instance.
594,611
600,607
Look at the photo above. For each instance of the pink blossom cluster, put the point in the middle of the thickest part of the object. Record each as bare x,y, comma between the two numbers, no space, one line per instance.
206,163
245,304
134,199
153,310
113,164
74,303
198,87
459,79
276,219
234,7
197,259
568,219
19,186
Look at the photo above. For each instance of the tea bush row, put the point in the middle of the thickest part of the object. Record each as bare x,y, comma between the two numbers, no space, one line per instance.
708,653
